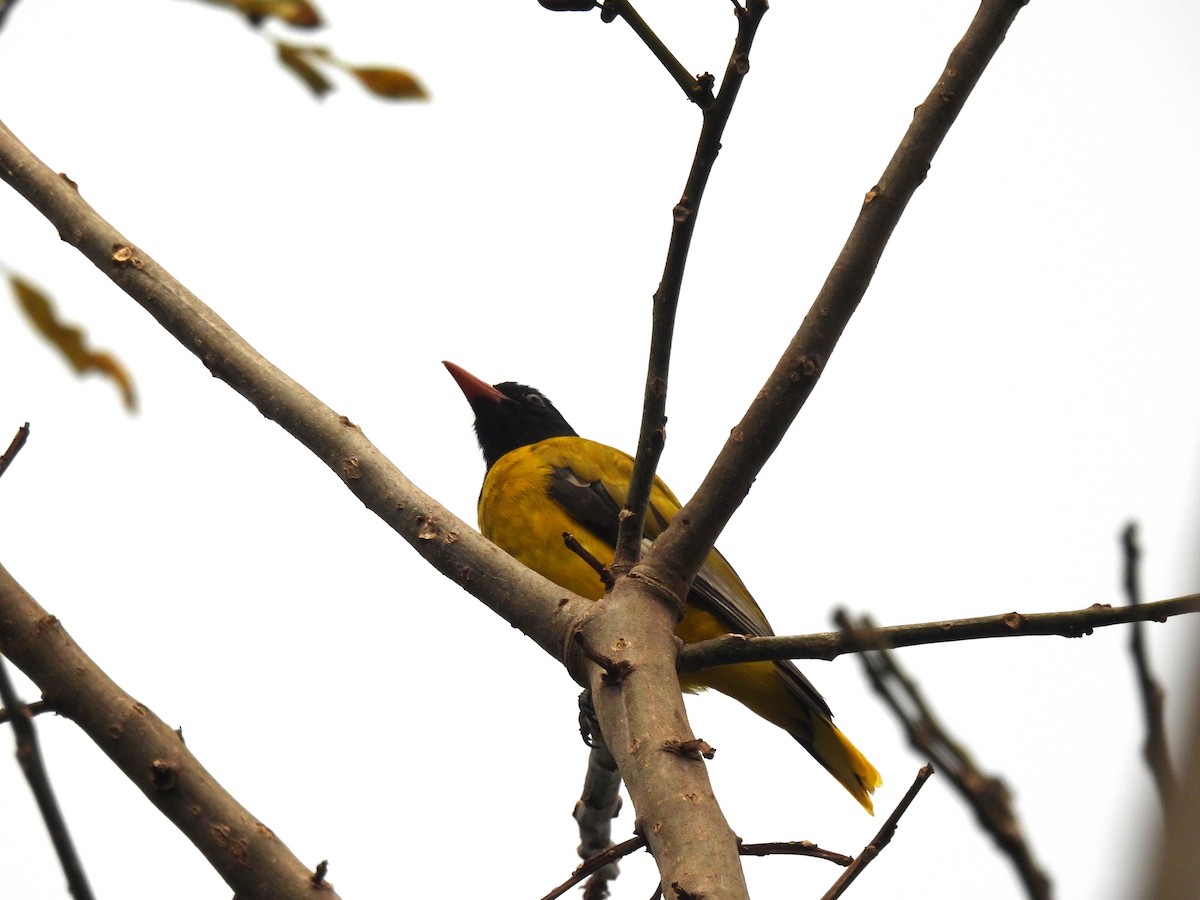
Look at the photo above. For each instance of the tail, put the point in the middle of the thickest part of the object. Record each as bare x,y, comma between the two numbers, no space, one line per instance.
784,697
842,759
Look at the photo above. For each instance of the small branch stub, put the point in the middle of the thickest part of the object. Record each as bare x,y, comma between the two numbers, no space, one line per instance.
615,670
693,749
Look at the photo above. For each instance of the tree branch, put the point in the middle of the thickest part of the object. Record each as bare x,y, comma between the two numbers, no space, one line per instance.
541,609
29,755
698,91
544,611
680,551
988,796
1155,750
598,805
694,847
14,447
881,839
245,852
831,644
652,434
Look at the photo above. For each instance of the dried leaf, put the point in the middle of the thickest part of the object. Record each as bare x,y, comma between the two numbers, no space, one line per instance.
394,84
292,58
70,339
299,13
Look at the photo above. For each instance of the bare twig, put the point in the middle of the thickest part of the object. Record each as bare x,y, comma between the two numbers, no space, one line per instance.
794,848
33,708
595,865
14,447
881,839
832,644
652,434
29,755
987,795
582,552
609,856
698,90
1155,750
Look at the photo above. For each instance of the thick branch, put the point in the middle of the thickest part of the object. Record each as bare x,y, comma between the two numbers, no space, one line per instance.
541,609
643,720
679,552
526,600
245,852
830,645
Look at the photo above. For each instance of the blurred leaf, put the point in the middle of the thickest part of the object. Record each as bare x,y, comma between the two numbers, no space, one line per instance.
395,84
69,339
382,81
292,58
298,13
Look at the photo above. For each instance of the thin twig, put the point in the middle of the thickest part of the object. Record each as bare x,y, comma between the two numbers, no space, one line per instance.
652,434
794,848
14,447
33,708
698,90
29,755
829,645
882,839
597,863
987,795
609,856
582,552
1155,750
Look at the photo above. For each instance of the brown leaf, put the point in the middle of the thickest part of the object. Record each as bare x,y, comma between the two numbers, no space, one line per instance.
394,84
293,58
70,339
299,13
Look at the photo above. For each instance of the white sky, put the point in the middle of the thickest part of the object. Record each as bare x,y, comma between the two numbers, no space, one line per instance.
1020,379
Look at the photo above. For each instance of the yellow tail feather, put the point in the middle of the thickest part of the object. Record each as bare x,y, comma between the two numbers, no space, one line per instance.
833,750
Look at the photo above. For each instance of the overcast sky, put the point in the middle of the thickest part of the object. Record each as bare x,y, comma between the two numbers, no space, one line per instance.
1020,380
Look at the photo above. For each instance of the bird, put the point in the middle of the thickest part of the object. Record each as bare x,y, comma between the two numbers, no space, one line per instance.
543,479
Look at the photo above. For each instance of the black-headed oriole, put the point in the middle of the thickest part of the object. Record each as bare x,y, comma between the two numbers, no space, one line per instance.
543,479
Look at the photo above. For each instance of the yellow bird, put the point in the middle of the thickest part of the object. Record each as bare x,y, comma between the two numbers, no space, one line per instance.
543,479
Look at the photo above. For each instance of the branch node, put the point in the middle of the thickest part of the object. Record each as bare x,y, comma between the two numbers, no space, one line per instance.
615,670
696,748
318,875
162,774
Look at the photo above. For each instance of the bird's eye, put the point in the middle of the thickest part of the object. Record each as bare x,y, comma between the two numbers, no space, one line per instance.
535,398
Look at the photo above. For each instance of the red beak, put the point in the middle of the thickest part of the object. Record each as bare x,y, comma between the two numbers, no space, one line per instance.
473,388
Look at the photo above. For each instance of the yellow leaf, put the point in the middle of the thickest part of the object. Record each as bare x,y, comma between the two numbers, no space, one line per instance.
394,84
69,339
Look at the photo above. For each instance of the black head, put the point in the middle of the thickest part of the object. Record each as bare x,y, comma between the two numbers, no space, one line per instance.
508,415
